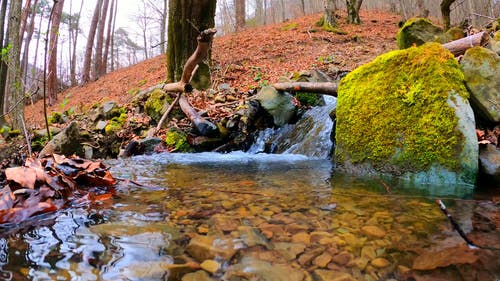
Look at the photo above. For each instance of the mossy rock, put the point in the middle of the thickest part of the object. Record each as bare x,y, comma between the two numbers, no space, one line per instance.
406,114
157,104
278,104
115,124
417,31
176,139
481,68
452,34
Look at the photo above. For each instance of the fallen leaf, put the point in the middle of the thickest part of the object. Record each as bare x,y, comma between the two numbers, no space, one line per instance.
23,176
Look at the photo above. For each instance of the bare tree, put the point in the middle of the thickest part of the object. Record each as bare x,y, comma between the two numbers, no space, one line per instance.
52,85
15,97
74,31
90,43
100,40
113,38
353,7
239,8
445,12
3,64
104,64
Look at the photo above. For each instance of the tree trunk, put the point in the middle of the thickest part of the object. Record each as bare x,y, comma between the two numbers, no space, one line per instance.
353,7
73,79
113,39
52,83
24,19
329,16
90,43
258,12
100,40
104,65
15,98
303,7
239,8
185,16
30,28
445,12
3,64
163,29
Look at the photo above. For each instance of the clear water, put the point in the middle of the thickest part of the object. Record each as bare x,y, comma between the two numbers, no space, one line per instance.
141,234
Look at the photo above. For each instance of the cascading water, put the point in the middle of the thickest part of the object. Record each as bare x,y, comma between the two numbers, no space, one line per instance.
310,136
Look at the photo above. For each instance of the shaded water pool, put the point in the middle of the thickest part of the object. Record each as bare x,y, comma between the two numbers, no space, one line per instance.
250,217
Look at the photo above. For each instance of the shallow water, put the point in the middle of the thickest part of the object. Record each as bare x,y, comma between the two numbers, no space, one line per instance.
275,210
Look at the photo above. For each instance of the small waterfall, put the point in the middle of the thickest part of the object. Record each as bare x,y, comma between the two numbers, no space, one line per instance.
310,136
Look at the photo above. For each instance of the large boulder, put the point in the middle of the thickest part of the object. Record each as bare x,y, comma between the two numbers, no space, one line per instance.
417,31
481,69
406,114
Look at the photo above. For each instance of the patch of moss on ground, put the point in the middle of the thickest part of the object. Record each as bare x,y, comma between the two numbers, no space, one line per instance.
290,26
116,124
55,118
329,28
177,140
398,103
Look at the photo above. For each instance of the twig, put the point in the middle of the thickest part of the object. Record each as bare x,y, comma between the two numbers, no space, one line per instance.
455,225
483,16
28,141
165,115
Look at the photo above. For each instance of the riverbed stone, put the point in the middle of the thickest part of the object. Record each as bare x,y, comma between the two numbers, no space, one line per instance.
380,263
210,266
422,131
322,260
253,269
251,236
209,247
489,160
481,69
302,237
373,231
289,250
199,275
332,275
342,258
457,255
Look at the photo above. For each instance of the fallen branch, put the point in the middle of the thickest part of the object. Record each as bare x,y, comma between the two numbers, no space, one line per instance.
323,88
455,225
203,126
165,115
458,47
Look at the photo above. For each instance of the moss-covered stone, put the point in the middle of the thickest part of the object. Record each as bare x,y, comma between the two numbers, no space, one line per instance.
417,31
115,124
156,104
481,68
396,115
55,118
177,140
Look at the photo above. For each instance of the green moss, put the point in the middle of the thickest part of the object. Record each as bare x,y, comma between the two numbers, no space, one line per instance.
155,104
177,140
329,28
55,118
290,26
397,105
309,99
116,124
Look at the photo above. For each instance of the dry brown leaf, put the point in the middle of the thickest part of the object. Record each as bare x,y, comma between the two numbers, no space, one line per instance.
23,176
6,198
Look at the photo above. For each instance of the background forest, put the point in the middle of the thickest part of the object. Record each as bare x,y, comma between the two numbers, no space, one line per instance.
69,42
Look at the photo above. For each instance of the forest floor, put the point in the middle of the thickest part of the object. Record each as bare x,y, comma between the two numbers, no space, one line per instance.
247,59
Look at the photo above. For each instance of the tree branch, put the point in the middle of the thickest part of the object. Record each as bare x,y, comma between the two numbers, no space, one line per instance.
323,88
458,47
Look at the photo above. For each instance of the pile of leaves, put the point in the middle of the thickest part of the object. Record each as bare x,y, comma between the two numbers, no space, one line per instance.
52,183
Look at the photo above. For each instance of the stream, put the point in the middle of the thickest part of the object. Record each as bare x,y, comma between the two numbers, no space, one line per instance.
288,210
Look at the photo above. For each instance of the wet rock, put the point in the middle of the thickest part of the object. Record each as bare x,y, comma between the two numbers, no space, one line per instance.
209,247
289,250
322,260
417,31
67,142
457,255
481,69
316,236
342,258
489,160
252,269
149,144
373,231
199,275
278,104
210,266
380,263
224,223
252,237
101,125
307,257
332,275
302,237
369,252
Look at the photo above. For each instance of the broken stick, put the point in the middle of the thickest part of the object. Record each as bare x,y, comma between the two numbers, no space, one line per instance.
458,47
321,88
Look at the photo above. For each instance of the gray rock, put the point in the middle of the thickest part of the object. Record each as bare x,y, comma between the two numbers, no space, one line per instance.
101,125
149,144
481,69
209,247
489,159
67,142
108,109
278,104
417,31
42,133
